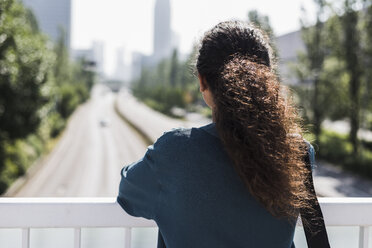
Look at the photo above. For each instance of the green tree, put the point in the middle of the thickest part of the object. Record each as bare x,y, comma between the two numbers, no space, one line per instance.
263,22
62,67
313,37
188,74
73,79
351,52
24,65
39,89
168,84
174,69
367,60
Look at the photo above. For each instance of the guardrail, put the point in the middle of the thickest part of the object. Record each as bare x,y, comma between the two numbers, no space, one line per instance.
77,213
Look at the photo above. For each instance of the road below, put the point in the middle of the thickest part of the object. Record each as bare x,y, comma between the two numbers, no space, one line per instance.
329,180
88,158
97,143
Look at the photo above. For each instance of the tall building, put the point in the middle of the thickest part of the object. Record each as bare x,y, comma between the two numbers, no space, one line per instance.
289,45
51,16
165,40
98,48
137,63
162,30
95,55
122,71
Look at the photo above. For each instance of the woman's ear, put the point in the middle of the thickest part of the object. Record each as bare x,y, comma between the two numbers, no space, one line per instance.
202,83
204,89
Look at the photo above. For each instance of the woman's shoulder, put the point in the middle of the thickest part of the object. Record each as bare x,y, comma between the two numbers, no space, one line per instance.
182,134
175,135
182,140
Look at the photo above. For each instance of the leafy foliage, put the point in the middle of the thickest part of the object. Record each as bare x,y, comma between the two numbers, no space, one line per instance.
337,148
312,63
336,63
263,23
351,56
169,84
39,89
24,63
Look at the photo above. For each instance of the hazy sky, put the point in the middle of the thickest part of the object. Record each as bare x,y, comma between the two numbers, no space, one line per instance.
130,23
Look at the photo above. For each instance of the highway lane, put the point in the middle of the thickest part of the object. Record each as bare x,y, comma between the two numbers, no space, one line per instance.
329,180
87,161
97,143
95,146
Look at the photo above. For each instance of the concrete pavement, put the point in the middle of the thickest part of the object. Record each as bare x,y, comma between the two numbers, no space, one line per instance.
331,180
88,158
97,143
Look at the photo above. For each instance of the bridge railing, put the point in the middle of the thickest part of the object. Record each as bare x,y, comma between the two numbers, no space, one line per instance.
78,213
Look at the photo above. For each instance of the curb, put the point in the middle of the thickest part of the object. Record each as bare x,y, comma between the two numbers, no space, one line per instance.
138,130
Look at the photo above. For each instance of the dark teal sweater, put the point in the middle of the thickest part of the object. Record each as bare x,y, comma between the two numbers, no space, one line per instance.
187,184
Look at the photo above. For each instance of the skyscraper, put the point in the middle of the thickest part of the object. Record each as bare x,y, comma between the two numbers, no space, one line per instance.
162,30
164,40
288,46
52,15
122,72
98,48
95,55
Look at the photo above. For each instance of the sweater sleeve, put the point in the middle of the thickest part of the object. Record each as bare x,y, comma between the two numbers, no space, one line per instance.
139,187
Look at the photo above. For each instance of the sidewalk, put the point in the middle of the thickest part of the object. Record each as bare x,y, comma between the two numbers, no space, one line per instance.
332,181
329,180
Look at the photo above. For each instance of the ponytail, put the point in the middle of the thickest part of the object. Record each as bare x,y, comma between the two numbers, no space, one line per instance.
258,125
254,121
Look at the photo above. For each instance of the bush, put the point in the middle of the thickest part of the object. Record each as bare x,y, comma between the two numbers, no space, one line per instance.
162,98
336,148
56,124
68,102
20,154
333,146
39,89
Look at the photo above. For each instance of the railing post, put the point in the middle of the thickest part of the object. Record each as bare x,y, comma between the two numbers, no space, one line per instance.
77,238
363,236
128,237
26,238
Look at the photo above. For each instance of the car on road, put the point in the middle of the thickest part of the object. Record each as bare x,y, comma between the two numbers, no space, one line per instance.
104,122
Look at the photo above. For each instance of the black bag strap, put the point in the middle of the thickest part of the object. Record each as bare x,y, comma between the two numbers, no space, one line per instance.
315,230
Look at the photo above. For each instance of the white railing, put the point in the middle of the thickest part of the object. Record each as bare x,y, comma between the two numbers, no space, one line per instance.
77,213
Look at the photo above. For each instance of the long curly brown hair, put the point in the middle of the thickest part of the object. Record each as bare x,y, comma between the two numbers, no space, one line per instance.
257,123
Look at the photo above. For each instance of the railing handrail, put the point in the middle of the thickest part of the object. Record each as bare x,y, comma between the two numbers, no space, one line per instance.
105,212
66,212
347,211
77,213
